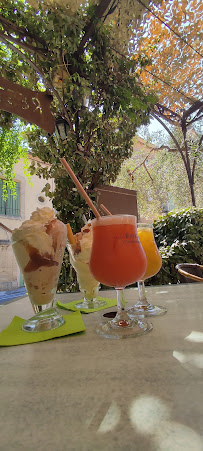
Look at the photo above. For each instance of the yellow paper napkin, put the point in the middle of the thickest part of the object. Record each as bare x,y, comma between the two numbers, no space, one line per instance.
72,305
14,335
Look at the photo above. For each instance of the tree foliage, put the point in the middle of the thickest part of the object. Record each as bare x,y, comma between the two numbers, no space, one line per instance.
93,87
158,176
189,150
179,237
170,41
12,150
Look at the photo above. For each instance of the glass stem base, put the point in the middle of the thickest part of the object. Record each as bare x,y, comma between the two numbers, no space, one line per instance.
122,326
143,307
90,304
46,319
118,329
90,299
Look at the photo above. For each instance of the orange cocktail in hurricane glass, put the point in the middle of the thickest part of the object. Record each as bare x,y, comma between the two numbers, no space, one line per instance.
117,260
154,263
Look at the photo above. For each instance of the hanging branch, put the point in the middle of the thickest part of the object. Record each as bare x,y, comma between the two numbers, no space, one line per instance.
8,25
170,149
184,158
196,107
22,44
167,114
155,115
143,162
184,124
100,9
148,173
151,178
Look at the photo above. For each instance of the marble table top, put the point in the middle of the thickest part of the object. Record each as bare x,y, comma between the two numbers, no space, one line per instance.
87,393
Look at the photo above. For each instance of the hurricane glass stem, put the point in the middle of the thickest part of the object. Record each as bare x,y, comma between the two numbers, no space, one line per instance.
122,318
142,293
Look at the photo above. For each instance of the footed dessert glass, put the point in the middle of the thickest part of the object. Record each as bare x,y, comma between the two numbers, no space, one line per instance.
39,250
117,260
88,285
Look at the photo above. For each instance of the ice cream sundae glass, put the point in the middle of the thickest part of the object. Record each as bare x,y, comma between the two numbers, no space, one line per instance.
79,248
39,245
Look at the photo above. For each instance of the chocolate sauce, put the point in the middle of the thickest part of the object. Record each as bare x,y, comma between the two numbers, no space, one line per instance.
37,260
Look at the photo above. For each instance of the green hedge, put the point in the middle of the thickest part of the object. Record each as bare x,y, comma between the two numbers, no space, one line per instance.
67,279
179,237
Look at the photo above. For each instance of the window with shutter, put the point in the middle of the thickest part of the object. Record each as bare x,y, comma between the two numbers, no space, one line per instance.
10,207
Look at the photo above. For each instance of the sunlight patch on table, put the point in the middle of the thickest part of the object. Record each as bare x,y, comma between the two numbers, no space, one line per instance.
193,359
174,436
147,412
151,415
105,418
111,418
195,336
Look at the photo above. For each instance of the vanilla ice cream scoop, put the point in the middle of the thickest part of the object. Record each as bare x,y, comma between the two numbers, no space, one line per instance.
79,259
79,247
39,245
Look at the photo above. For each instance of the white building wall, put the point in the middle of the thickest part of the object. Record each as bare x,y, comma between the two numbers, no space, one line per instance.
29,201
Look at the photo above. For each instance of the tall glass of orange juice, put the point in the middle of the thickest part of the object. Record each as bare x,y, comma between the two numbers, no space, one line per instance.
154,263
117,260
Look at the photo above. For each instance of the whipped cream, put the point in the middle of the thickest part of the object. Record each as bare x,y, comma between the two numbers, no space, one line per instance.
34,231
39,245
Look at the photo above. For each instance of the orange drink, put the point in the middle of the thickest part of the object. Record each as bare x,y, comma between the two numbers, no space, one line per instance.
154,261
117,258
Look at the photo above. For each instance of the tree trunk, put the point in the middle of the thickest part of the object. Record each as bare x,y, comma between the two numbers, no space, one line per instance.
185,157
192,195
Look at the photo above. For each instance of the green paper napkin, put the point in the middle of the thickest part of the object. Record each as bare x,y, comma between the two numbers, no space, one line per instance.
72,305
14,335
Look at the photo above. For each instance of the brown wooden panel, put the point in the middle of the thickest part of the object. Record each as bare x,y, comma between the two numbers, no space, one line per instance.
33,106
117,200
